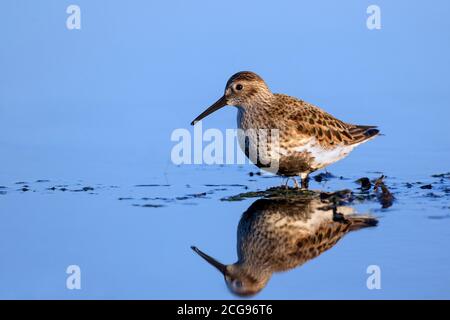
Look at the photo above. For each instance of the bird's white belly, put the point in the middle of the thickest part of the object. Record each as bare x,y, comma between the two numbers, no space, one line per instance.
322,157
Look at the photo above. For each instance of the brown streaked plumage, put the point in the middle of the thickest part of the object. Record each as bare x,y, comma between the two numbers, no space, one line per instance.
309,138
279,234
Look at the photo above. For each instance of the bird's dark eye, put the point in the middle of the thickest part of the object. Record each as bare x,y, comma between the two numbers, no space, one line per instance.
239,87
237,283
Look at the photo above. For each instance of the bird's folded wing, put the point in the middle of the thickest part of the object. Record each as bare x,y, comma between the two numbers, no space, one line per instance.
312,121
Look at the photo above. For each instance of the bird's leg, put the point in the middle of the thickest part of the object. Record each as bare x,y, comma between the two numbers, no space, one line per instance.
305,180
305,183
286,183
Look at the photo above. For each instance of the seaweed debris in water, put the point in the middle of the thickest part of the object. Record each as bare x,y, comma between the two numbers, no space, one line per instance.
385,196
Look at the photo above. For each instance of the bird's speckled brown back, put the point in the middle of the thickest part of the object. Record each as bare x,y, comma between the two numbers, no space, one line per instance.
298,121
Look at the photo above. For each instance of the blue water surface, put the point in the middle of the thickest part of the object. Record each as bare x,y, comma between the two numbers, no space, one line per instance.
95,108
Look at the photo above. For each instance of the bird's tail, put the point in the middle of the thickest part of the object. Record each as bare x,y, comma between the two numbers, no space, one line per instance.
359,222
363,133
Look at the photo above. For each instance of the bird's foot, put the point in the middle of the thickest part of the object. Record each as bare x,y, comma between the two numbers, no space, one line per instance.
338,217
305,183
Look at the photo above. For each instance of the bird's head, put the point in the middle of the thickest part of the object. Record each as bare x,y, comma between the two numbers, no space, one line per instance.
244,89
238,279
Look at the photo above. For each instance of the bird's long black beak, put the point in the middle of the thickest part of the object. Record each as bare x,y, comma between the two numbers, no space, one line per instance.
216,106
219,266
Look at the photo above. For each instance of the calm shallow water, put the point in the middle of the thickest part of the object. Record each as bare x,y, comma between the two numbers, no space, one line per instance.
130,251
95,109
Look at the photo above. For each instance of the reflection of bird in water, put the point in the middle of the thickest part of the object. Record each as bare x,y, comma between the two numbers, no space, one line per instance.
280,234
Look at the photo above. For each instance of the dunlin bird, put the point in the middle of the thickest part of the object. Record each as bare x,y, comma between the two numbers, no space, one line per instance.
276,235
309,138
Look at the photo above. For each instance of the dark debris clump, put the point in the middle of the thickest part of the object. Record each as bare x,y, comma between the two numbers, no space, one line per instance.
364,183
270,193
385,196
323,176
442,175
